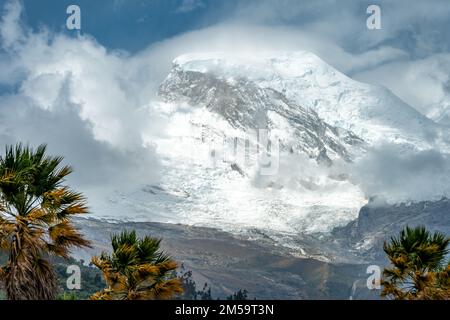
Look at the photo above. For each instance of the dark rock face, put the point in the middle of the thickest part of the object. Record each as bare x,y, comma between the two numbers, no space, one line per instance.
246,106
377,222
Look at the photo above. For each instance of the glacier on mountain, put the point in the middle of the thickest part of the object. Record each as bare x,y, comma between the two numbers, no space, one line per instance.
321,121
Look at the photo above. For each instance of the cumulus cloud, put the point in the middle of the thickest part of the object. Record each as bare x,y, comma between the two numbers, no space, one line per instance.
398,174
84,101
94,105
406,55
344,21
422,83
11,31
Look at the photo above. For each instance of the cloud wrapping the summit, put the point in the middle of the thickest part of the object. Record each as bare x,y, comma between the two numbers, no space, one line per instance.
94,105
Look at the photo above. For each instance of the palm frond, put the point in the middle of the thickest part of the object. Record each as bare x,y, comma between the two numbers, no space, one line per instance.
137,269
35,212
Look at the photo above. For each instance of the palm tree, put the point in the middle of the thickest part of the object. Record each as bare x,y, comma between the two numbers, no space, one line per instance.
137,270
418,271
35,220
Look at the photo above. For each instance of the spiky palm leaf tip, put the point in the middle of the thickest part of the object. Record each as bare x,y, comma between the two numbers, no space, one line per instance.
137,269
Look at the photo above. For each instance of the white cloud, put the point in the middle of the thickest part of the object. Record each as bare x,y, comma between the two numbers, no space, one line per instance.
247,39
422,83
189,5
11,31
344,22
94,105
86,102
400,175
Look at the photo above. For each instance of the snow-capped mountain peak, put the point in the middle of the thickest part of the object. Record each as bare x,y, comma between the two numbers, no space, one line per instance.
371,112
323,122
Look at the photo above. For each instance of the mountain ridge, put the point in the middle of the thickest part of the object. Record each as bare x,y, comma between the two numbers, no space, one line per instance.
371,112
211,102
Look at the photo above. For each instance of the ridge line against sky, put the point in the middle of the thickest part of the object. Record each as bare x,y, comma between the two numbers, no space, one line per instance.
56,79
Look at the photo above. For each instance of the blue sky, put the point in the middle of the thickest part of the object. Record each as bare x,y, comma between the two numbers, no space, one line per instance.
91,88
133,24
414,39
